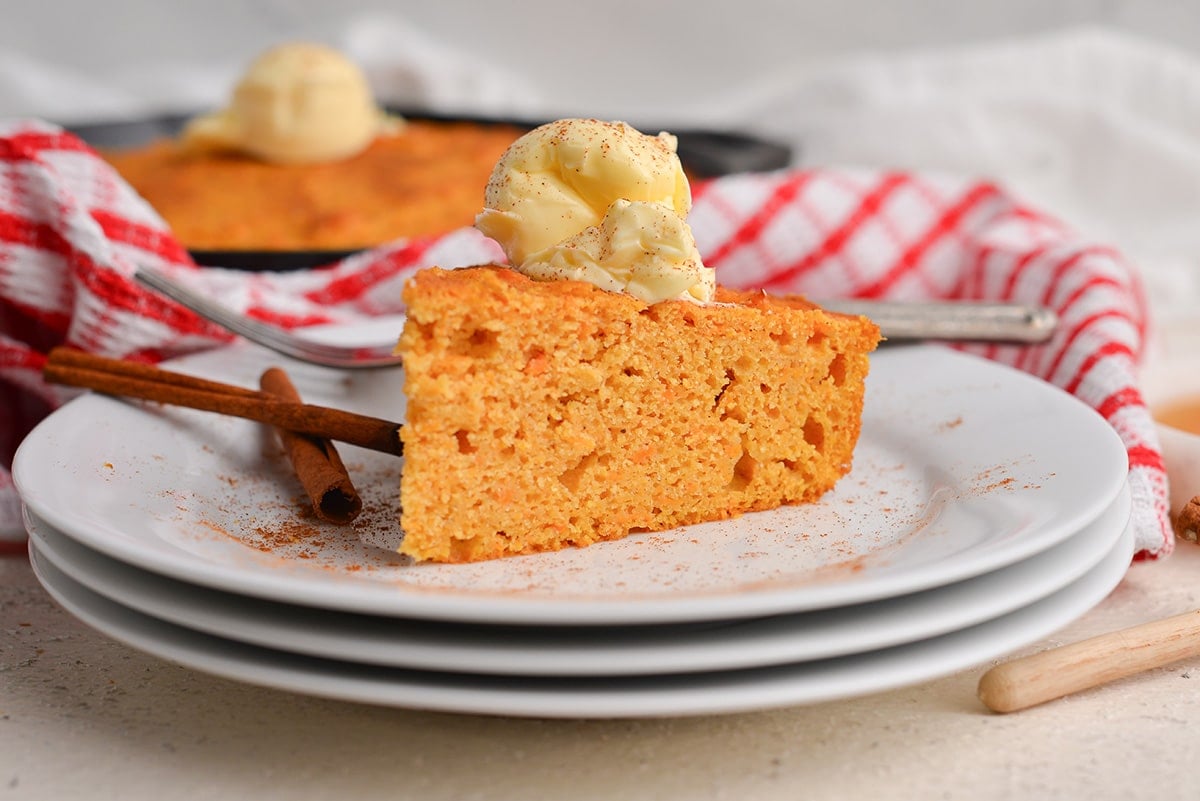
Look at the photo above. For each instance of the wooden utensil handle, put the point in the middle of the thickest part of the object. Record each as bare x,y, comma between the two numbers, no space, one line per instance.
1031,680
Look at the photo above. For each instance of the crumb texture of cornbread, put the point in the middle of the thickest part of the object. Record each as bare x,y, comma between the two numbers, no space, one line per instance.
546,415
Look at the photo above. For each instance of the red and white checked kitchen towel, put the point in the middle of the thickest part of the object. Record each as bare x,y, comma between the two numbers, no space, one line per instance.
71,232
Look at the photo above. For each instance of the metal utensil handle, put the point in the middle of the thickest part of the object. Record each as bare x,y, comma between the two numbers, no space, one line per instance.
958,320
205,307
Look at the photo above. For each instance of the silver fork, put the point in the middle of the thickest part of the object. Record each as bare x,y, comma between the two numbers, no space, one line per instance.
897,320
270,336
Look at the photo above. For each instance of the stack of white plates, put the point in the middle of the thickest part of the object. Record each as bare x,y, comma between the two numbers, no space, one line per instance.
985,510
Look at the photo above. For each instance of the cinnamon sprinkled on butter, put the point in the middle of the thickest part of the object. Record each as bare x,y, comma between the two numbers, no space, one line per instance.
599,202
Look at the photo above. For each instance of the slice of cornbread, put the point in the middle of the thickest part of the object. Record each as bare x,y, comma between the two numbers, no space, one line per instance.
542,415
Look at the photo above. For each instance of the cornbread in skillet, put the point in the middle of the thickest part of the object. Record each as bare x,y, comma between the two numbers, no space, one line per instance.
549,414
303,159
420,181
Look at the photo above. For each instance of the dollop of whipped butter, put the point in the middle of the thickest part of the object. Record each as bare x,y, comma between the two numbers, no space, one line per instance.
297,103
600,202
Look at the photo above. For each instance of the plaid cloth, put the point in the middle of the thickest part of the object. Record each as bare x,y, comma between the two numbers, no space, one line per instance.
71,233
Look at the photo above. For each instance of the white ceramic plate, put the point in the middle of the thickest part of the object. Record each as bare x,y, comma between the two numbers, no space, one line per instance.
587,651
604,697
964,466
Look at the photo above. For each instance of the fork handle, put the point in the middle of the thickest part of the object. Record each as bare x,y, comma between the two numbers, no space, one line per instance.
956,320
195,301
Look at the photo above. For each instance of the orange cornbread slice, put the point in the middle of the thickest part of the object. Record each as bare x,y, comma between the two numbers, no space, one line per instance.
546,415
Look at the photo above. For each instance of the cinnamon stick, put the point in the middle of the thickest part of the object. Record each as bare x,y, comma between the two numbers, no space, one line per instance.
315,460
69,357
130,379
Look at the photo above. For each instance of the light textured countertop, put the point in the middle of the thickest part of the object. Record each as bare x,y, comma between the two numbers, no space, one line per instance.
83,717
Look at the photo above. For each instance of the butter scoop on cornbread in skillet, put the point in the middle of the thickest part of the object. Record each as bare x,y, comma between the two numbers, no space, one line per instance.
603,384
303,159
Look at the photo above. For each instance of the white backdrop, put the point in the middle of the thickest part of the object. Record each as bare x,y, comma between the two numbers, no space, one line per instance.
619,58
